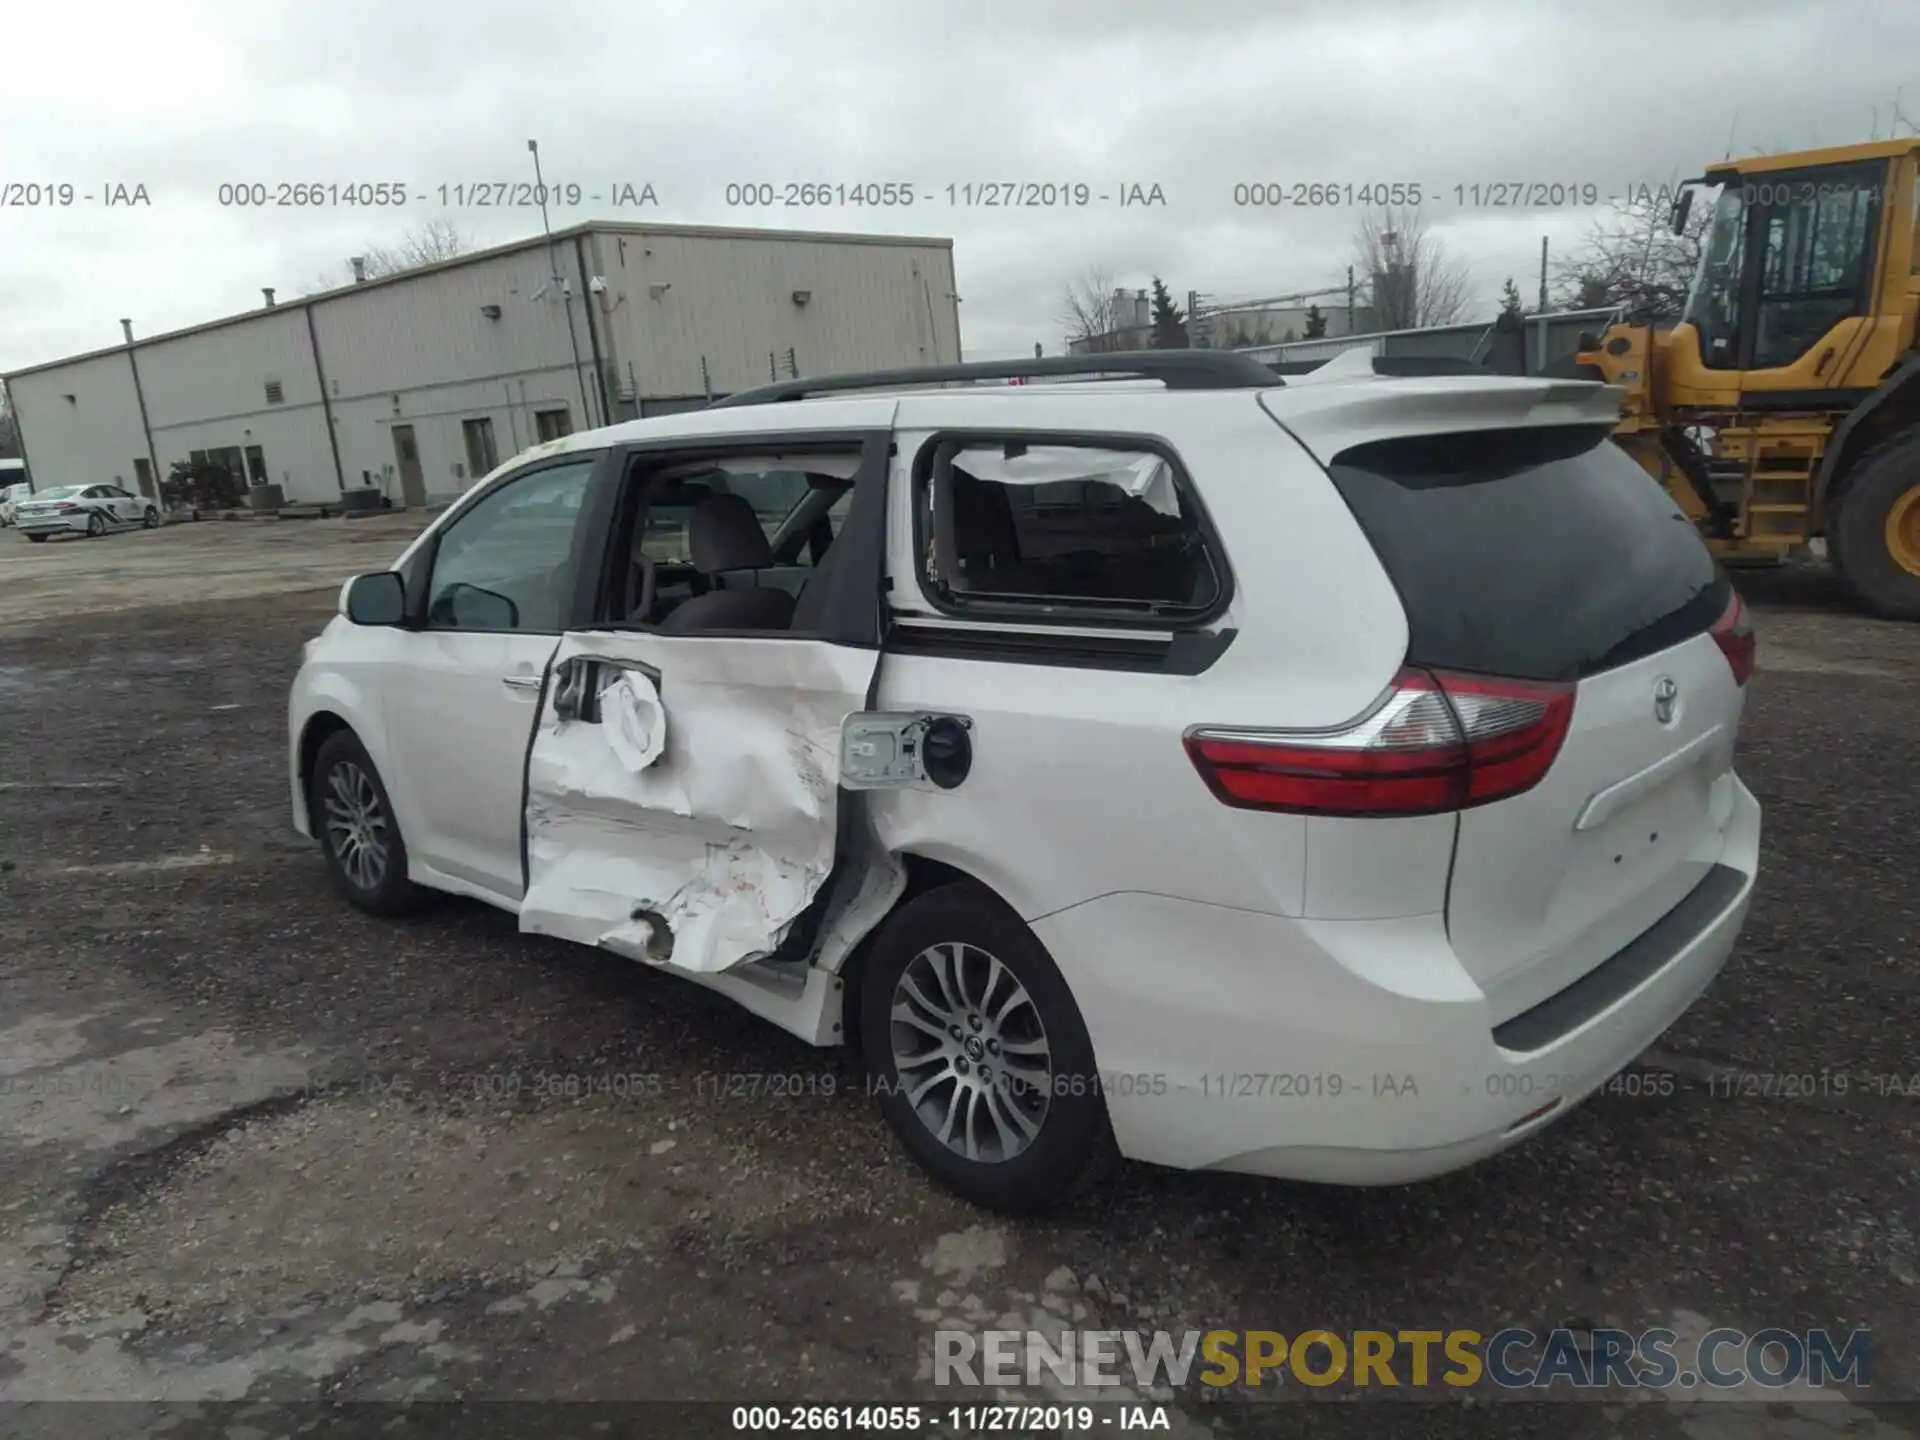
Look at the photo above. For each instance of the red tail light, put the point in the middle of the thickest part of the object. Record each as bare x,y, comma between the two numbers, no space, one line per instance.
1440,741
1733,633
66,505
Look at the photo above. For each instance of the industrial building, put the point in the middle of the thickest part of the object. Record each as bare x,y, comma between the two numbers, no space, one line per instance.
420,382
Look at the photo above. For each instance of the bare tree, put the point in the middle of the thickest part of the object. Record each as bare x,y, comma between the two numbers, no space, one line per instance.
9,432
1631,256
1411,279
425,244
1087,312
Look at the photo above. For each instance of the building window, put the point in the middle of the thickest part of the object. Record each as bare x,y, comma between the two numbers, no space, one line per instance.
275,396
552,424
482,457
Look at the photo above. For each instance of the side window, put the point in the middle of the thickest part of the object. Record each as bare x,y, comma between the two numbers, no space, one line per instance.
1063,528
503,565
795,504
1816,259
772,493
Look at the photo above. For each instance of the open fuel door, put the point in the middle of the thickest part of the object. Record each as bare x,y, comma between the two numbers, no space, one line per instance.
683,791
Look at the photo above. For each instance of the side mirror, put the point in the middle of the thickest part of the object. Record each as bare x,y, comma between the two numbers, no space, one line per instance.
1682,208
376,599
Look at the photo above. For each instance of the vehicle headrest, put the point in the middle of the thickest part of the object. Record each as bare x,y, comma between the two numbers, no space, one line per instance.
725,534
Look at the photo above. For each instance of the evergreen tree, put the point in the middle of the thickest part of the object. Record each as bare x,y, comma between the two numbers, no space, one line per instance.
1510,303
1169,324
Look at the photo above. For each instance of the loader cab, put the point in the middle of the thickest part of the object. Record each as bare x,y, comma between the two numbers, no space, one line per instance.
1797,259
1787,256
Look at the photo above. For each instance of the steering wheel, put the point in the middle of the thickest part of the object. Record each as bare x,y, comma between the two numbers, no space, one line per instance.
643,575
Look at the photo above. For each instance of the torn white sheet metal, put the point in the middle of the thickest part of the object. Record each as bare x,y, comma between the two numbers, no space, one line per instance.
1141,474
723,838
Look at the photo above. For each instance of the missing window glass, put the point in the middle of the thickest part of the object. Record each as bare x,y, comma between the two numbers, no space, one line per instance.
1065,530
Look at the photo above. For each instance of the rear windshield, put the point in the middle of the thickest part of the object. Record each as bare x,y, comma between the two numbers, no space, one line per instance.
1543,554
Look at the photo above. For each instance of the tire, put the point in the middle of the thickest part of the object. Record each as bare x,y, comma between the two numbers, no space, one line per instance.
373,876
38,539
1886,481
96,525
151,521
1066,1144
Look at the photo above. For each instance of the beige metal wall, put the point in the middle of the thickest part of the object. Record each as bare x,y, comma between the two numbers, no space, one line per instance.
426,353
208,390
673,298
92,439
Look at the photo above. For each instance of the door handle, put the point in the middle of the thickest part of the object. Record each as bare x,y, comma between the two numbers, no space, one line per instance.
521,682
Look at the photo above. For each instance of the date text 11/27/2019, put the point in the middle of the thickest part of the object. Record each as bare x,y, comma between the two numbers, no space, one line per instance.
1480,195
963,195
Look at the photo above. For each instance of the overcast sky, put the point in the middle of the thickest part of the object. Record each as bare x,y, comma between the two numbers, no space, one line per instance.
1191,95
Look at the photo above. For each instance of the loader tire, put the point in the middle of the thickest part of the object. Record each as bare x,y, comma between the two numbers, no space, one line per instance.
1874,542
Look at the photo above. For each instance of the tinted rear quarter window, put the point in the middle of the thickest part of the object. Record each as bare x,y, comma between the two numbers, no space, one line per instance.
1542,554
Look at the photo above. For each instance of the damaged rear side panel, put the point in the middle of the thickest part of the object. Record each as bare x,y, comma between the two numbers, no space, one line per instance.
683,792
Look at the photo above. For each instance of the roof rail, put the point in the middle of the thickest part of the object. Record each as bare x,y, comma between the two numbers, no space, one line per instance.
1176,369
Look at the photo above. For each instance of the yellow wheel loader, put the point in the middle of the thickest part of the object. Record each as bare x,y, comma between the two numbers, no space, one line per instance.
1784,403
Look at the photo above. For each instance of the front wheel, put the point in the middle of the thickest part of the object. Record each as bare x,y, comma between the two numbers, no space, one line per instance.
96,526
38,539
1875,538
978,1054
348,808
151,521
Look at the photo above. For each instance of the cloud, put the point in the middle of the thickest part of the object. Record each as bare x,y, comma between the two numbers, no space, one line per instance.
1194,98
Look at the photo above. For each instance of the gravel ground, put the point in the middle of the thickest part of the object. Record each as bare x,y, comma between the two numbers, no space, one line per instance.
257,1146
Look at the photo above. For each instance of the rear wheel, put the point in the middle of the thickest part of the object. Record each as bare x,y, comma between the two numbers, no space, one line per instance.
151,521
38,539
978,1053
96,525
1875,540
348,808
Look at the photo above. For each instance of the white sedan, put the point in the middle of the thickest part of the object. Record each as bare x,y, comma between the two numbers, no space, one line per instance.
84,510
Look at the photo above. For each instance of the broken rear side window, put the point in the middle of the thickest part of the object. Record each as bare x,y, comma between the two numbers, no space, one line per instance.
1064,529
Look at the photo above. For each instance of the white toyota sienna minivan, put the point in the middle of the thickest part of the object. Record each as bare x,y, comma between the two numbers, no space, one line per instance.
1329,779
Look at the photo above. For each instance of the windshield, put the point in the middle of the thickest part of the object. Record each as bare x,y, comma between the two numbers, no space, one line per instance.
1713,302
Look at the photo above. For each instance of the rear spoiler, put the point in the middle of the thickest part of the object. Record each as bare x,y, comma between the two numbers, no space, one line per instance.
1345,415
1397,367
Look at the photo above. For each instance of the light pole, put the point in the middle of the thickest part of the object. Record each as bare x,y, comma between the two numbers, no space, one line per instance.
553,265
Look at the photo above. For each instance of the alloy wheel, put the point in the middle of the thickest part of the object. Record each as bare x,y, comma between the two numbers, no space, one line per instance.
971,1052
356,824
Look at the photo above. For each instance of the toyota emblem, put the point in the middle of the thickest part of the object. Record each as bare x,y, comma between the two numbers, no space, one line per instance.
1666,699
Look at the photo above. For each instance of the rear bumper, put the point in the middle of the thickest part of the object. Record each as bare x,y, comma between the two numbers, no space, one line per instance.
51,524
1356,1052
